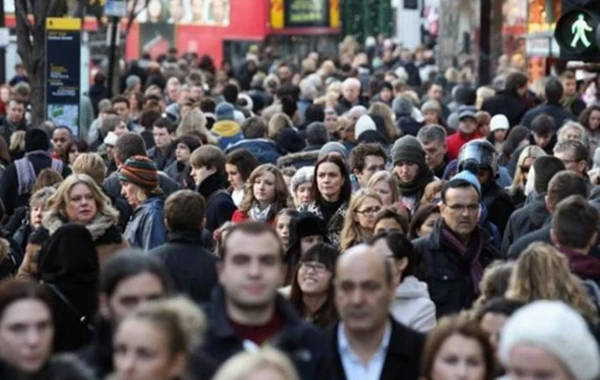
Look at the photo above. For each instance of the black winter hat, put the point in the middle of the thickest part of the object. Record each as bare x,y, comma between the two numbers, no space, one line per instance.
408,148
545,168
36,139
305,224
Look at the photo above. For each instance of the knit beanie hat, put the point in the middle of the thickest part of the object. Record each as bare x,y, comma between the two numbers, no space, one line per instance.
36,139
303,175
408,148
499,122
466,175
363,124
333,147
141,171
224,111
554,327
545,168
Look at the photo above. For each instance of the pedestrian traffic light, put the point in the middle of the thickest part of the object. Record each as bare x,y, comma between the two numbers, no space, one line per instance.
578,31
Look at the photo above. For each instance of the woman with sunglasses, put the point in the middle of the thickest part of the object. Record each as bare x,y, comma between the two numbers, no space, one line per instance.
524,164
359,222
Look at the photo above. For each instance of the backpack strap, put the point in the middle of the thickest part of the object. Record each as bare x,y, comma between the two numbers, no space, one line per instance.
25,175
80,317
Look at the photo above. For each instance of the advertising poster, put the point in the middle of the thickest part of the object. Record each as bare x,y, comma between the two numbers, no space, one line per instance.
197,12
156,39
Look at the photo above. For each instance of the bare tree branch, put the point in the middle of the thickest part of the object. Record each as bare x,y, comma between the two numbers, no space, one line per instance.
21,12
133,14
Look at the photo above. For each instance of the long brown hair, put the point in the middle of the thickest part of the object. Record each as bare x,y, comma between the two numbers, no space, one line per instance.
281,190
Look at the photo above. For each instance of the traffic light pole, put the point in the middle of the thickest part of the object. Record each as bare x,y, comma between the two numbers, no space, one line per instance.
485,26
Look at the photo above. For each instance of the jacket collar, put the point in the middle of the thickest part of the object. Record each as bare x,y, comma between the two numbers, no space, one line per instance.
190,237
434,237
211,184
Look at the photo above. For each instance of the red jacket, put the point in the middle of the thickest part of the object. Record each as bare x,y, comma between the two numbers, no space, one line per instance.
456,140
241,216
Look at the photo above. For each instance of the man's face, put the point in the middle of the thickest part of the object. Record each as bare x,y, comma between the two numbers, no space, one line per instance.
434,154
60,138
162,137
122,110
461,210
541,140
131,294
467,125
284,73
569,86
351,92
373,164
435,92
406,171
173,90
199,174
16,112
252,270
362,293
196,93
568,158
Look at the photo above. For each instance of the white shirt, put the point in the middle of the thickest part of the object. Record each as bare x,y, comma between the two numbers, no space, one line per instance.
353,368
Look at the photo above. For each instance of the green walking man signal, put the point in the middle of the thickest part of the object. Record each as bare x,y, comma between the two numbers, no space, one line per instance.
579,30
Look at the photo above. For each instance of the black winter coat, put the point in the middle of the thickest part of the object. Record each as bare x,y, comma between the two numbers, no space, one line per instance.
192,268
555,111
525,220
298,339
499,205
448,279
219,205
508,103
402,359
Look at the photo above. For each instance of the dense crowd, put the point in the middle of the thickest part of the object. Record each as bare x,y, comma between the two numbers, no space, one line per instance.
363,217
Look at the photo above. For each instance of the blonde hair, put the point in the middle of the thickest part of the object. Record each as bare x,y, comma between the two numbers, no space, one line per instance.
385,112
542,273
351,233
384,175
277,123
195,122
494,282
17,141
245,363
57,204
560,135
281,190
91,164
530,151
483,93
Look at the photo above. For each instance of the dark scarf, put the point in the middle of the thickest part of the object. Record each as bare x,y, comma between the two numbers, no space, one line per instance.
470,255
584,266
417,186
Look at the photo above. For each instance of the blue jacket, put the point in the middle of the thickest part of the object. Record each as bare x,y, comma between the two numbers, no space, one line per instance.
300,341
146,229
265,150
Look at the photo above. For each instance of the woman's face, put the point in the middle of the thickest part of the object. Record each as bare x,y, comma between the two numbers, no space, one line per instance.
365,214
304,193
120,129
500,135
314,278
389,224
26,334
131,192
427,226
263,188
459,357
36,215
385,95
73,154
182,153
283,228
133,103
385,192
329,181
154,9
572,134
234,177
81,205
5,94
142,352
527,361
307,242
525,168
594,121
431,117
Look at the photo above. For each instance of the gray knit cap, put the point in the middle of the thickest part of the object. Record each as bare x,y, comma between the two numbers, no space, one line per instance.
408,148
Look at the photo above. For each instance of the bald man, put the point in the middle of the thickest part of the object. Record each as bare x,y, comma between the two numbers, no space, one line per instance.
350,96
367,342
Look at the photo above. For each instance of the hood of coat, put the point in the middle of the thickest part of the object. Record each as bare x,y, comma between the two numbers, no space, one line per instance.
411,287
98,226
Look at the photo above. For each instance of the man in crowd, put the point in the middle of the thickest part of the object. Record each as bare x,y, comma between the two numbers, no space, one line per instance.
61,138
14,119
247,311
433,139
163,131
510,101
571,101
466,131
350,95
256,141
574,155
552,107
365,160
121,106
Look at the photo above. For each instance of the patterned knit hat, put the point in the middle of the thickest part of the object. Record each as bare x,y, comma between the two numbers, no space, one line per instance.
141,171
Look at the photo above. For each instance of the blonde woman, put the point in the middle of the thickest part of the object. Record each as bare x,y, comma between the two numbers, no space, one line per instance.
392,132
524,165
384,183
265,195
542,273
195,123
359,221
572,130
264,364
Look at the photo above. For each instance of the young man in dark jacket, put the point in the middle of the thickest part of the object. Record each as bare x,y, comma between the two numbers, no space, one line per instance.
208,171
510,101
192,268
247,311
455,254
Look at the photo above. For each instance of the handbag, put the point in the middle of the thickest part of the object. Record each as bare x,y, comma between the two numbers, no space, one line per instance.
80,317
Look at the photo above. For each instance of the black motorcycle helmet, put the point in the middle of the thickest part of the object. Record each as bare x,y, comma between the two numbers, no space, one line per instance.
477,155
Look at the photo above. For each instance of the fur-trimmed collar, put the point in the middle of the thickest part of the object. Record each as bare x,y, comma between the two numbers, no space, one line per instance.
98,226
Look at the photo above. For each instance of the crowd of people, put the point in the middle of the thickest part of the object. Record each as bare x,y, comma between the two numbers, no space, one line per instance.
363,217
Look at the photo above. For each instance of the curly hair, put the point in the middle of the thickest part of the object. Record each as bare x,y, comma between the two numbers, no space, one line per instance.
352,233
281,190
542,273
494,282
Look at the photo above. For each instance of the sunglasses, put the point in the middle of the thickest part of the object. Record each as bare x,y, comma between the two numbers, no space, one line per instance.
525,169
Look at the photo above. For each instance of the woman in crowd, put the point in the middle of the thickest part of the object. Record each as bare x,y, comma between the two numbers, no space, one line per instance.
282,224
139,185
385,112
80,200
75,148
179,169
331,192
312,285
195,122
412,305
239,165
359,221
306,230
517,137
301,186
169,330
265,195
524,164
548,339
494,282
572,130
432,113
264,364
590,119
458,348
390,219
423,221
32,219
385,184
542,273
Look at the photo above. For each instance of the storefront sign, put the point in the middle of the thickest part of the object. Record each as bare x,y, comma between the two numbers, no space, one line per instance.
306,13
541,45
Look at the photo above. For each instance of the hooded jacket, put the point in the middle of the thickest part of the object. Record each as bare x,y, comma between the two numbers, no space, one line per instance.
265,150
228,132
412,305
527,219
508,103
146,229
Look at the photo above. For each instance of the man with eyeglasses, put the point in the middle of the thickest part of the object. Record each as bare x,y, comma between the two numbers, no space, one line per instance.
455,254
574,155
